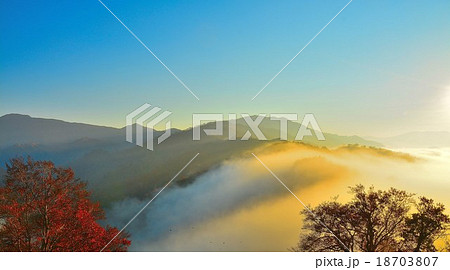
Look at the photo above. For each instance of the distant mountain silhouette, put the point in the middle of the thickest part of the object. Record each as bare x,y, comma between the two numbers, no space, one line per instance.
20,129
271,130
419,139
116,169
24,129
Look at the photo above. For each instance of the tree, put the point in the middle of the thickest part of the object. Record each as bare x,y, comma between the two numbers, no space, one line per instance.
338,234
373,221
44,208
426,226
446,247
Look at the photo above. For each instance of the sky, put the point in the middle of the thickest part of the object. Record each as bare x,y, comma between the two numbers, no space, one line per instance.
381,68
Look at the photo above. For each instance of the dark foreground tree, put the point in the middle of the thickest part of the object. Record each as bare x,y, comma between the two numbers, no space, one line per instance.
426,226
373,221
44,208
446,247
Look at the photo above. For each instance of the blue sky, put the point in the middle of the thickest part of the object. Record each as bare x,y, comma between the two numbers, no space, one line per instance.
380,68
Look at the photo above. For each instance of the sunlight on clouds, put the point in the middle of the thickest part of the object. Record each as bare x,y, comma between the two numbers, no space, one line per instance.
240,206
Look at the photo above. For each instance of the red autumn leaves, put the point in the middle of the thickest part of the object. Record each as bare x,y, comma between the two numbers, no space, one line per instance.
45,208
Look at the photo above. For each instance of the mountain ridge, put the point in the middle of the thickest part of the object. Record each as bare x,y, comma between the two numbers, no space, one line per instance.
416,139
16,130
116,169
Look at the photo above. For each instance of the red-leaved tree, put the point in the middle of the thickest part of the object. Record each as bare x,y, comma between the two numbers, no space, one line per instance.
45,208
